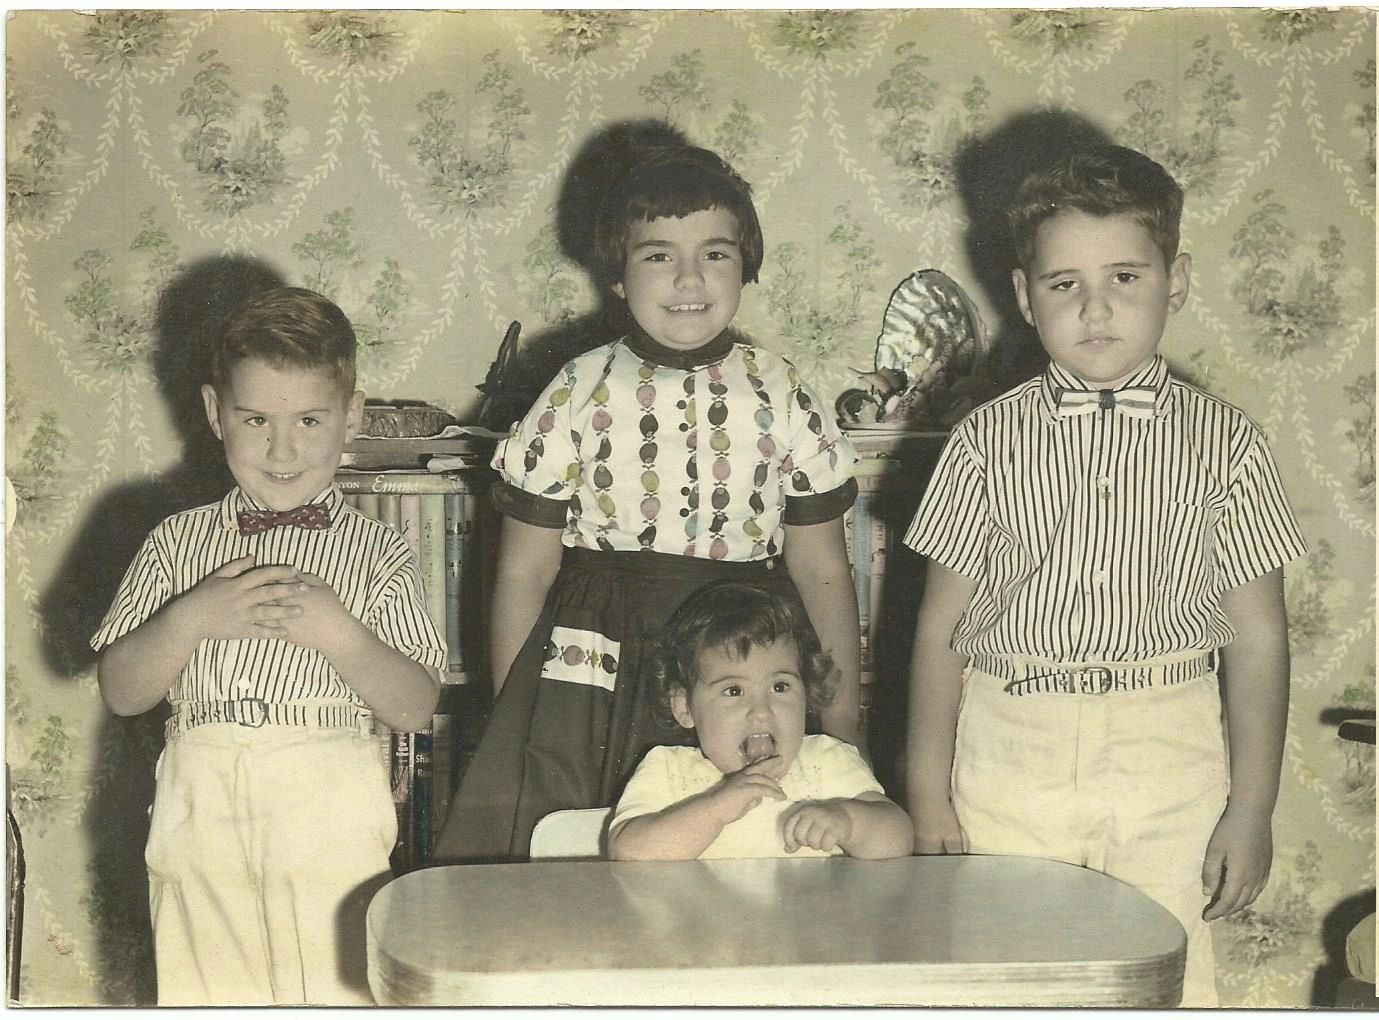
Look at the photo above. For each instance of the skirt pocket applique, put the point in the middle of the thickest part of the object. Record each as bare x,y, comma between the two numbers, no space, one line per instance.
581,657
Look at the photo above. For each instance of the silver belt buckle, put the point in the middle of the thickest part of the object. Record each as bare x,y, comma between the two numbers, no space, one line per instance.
255,720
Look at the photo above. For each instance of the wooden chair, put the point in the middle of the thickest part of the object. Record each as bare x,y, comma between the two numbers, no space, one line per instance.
573,835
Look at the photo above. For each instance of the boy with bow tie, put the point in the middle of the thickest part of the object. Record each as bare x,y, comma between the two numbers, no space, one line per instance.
1095,537
277,622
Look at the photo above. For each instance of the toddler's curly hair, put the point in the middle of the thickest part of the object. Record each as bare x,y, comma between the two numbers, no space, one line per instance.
736,617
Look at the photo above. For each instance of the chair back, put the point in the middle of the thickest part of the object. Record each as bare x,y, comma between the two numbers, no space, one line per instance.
575,834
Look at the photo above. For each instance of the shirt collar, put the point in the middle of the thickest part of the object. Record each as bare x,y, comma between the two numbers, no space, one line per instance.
642,345
1154,375
237,499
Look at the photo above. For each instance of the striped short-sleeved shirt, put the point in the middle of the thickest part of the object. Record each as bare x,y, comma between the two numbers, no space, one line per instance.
1103,536
369,566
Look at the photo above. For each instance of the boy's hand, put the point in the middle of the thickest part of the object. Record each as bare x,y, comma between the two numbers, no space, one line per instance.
1237,862
739,792
321,619
819,824
936,827
239,601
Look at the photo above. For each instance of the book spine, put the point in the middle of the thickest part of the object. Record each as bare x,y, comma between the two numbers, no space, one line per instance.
368,505
403,767
432,559
389,512
409,523
400,482
456,528
422,783
442,767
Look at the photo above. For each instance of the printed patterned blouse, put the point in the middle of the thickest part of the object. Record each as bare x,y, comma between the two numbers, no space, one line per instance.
703,453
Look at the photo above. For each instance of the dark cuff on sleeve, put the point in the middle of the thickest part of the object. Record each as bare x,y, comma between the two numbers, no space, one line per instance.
821,506
521,505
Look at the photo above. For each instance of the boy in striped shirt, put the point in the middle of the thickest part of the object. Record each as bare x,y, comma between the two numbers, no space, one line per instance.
277,622
1095,537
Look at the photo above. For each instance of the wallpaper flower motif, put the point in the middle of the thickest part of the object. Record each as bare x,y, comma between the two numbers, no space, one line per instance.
435,171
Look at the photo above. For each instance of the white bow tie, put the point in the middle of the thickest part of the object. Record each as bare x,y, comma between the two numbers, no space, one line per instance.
1136,401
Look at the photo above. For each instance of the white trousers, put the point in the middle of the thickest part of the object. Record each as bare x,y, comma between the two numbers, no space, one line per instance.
264,849
1129,783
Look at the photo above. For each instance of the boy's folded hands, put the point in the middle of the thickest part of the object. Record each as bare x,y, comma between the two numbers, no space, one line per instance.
238,601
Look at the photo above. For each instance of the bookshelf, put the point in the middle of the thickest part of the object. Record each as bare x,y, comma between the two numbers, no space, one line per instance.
892,471
444,518
447,520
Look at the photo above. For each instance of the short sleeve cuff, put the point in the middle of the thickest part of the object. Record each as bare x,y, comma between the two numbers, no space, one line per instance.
523,506
822,506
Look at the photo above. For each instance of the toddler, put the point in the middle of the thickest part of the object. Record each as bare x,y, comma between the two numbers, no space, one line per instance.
740,667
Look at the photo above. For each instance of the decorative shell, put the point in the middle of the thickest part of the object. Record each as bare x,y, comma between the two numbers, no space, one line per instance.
930,359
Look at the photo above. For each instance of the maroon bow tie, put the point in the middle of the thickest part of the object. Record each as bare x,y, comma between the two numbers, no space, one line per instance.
313,516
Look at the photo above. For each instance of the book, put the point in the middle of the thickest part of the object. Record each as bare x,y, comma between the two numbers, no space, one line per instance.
389,512
368,504
432,558
442,767
422,782
409,523
456,529
401,781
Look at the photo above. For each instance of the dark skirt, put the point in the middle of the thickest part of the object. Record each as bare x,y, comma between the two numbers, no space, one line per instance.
575,715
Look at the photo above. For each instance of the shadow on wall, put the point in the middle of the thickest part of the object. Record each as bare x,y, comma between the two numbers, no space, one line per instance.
599,163
989,170
116,822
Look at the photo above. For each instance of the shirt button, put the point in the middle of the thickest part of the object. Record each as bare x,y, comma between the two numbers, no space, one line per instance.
1103,487
244,684
1098,577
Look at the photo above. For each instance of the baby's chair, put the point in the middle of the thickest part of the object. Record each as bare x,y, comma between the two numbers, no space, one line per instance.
576,834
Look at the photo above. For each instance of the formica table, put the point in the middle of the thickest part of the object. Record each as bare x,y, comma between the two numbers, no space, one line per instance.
969,930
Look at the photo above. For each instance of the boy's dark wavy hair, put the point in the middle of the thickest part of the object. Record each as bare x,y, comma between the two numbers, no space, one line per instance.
675,181
1106,180
286,327
736,617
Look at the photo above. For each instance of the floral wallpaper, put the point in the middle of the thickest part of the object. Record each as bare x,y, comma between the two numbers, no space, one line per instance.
434,173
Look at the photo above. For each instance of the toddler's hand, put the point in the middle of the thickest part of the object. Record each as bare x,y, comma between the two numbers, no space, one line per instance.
739,792
820,824
321,618
238,601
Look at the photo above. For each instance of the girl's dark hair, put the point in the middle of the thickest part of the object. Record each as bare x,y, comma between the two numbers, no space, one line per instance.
286,327
675,181
1106,180
736,617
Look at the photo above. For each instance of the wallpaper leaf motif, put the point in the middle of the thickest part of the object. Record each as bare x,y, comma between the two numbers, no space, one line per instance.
356,38
579,33
124,37
458,180
241,162
681,87
429,197
818,33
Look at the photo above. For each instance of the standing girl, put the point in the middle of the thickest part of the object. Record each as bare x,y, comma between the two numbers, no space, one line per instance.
672,456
